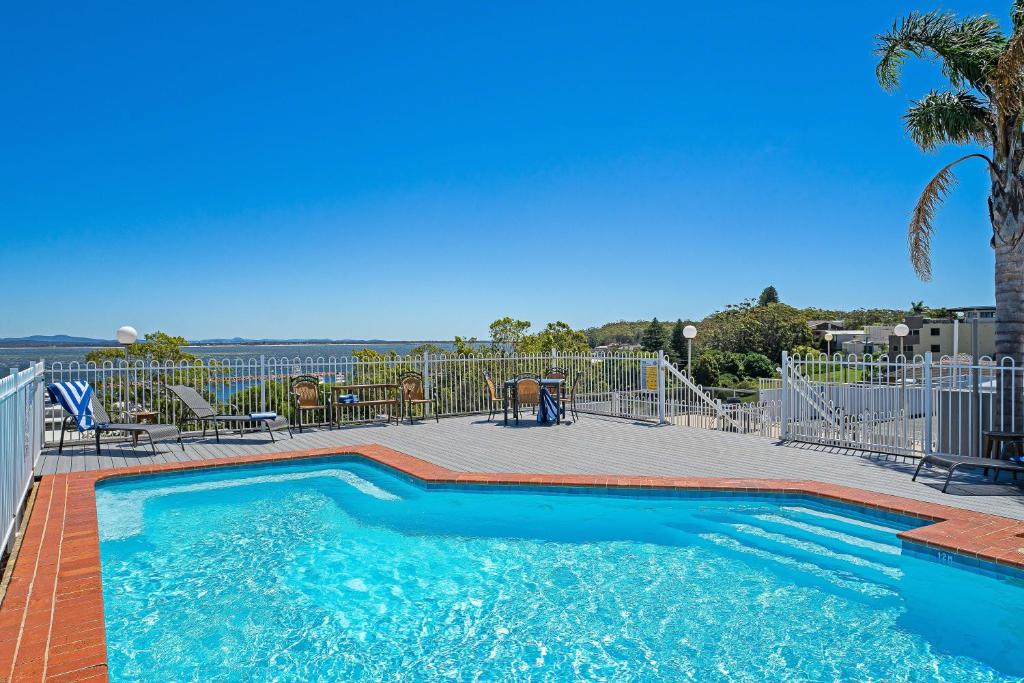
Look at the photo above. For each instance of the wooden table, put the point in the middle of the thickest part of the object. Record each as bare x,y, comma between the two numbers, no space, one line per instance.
510,395
379,395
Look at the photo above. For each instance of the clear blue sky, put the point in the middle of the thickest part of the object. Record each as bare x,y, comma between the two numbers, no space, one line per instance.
415,170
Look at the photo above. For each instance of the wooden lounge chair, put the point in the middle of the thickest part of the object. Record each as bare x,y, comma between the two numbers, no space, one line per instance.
306,398
951,463
204,412
102,424
413,393
494,401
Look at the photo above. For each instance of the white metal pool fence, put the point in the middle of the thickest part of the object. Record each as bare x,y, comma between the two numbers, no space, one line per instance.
892,405
21,415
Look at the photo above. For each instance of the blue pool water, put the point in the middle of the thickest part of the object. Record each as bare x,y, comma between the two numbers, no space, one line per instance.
340,570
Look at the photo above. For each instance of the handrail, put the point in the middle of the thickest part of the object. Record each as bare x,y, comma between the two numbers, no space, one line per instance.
817,401
696,388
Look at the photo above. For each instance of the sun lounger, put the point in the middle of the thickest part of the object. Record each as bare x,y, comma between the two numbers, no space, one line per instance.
952,463
73,397
204,412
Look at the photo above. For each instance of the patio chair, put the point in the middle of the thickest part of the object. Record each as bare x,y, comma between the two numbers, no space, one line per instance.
563,390
951,463
306,398
65,393
204,412
494,400
569,401
527,394
413,393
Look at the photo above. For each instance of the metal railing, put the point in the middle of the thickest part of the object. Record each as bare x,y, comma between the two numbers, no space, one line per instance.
21,414
897,405
615,384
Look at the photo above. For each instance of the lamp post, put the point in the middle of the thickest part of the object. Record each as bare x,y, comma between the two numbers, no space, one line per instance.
901,331
828,343
689,332
126,336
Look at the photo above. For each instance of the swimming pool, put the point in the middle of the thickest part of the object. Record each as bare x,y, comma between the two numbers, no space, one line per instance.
340,569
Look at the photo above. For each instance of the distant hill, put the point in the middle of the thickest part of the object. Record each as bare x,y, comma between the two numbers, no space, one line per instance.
55,340
45,340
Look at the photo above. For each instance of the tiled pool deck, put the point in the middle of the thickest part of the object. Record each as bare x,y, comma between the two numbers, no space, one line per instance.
51,620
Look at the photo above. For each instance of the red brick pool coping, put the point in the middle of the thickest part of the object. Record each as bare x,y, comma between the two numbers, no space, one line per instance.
51,620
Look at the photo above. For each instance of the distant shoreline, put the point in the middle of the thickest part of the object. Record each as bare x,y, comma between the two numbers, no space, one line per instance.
202,345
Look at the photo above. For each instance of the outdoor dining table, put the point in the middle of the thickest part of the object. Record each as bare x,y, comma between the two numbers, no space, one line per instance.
510,396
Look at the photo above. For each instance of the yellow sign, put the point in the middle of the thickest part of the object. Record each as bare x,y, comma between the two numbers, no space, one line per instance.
651,374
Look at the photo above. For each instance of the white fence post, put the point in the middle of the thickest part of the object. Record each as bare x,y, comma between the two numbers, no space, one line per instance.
785,407
661,388
427,390
263,383
927,381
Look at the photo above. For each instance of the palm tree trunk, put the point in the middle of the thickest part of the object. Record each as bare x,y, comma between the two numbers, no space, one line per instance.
1009,408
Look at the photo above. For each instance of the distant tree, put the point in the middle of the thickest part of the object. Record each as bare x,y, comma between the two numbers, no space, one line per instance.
557,336
757,365
917,307
465,347
939,313
507,333
432,349
769,295
768,330
155,346
677,342
706,370
654,338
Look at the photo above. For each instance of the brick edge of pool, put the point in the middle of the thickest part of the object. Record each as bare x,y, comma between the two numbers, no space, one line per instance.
51,620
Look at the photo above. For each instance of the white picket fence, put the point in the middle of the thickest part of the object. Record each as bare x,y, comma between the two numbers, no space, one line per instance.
21,415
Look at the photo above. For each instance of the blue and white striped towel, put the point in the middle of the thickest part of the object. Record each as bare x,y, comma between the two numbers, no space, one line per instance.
76,398
266,415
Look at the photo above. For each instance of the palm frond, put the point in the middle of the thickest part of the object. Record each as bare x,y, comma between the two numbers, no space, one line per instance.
1008,77
919,232
967,48
943,117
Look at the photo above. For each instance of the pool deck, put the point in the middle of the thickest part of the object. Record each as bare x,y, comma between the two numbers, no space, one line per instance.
592,446
51,619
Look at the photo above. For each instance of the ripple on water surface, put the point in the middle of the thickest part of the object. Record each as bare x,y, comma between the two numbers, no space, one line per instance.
341,572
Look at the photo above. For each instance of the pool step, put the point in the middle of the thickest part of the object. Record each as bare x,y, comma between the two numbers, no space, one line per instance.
801,570
839,538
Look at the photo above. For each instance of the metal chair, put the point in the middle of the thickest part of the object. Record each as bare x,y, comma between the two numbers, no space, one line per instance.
306,397
412,392
495,401
527,393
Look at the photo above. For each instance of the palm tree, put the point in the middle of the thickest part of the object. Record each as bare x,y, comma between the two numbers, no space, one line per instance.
984,110
917,307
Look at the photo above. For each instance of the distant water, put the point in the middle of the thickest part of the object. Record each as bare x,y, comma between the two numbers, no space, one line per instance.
20,358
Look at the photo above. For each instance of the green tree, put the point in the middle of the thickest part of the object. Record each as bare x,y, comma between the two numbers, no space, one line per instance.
756,365
465,347
507,333
155,346
677,342
706,370
769,295
982,107
432,349
653,339
768,330
557,336
917,307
